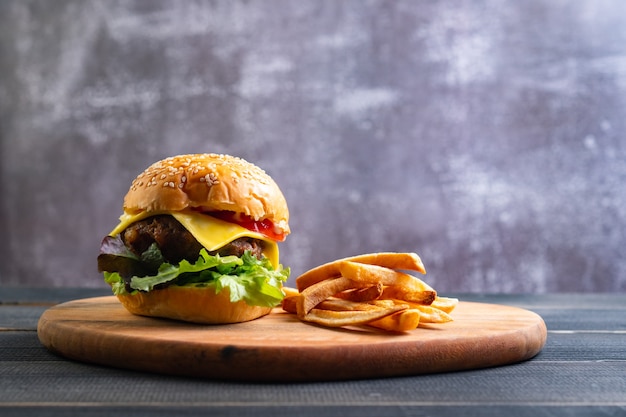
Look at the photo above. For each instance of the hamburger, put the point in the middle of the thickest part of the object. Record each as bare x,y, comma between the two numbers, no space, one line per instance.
197,241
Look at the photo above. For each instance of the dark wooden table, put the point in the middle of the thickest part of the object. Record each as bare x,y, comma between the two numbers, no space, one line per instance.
580,372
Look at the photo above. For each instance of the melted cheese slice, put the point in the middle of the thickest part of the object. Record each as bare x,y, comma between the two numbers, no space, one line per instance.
212,233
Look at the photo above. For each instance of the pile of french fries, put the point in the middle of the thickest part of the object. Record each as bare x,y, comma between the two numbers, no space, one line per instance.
371,290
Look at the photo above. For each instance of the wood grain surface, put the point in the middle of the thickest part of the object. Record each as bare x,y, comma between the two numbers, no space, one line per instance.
279,347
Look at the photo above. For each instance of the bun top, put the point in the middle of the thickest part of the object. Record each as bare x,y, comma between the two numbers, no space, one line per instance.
208,182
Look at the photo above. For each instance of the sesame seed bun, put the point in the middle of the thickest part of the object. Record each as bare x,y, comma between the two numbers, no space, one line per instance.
192,304
209,182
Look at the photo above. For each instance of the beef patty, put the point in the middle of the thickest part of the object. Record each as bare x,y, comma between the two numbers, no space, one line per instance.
177,243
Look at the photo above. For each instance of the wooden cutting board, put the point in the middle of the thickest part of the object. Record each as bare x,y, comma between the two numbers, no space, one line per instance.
279,347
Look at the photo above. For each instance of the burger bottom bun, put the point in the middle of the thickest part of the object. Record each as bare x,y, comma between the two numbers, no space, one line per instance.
191,304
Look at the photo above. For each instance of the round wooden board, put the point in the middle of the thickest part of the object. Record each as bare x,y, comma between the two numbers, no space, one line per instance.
279,347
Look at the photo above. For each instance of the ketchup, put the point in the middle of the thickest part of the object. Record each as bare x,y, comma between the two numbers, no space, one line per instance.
265,227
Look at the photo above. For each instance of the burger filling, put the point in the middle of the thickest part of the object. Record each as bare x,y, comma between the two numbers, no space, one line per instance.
159,251
177,243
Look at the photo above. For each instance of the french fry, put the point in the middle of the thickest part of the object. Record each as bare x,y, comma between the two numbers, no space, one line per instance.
428,314
366,274
331,318
290,291
402,321
402,293
289,303
370,290
317,293
433,315
445,304
388,303
362,294
400,261
338,304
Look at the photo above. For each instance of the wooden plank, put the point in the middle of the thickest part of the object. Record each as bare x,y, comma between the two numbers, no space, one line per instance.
589,319
356,410
579,301
469,410
19,317
530,383
579,372
583,347
561,377
47,296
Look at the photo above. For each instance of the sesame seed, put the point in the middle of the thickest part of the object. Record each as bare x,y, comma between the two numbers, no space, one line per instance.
210,179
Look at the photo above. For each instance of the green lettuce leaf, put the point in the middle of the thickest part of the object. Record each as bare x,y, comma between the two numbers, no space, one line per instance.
247,278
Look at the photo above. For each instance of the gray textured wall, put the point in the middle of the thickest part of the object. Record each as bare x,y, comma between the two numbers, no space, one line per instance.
488,136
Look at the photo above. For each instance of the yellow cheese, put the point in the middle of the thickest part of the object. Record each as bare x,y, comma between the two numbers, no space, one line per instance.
212,233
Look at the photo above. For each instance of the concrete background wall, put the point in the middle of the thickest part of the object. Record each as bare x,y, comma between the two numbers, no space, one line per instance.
488,136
